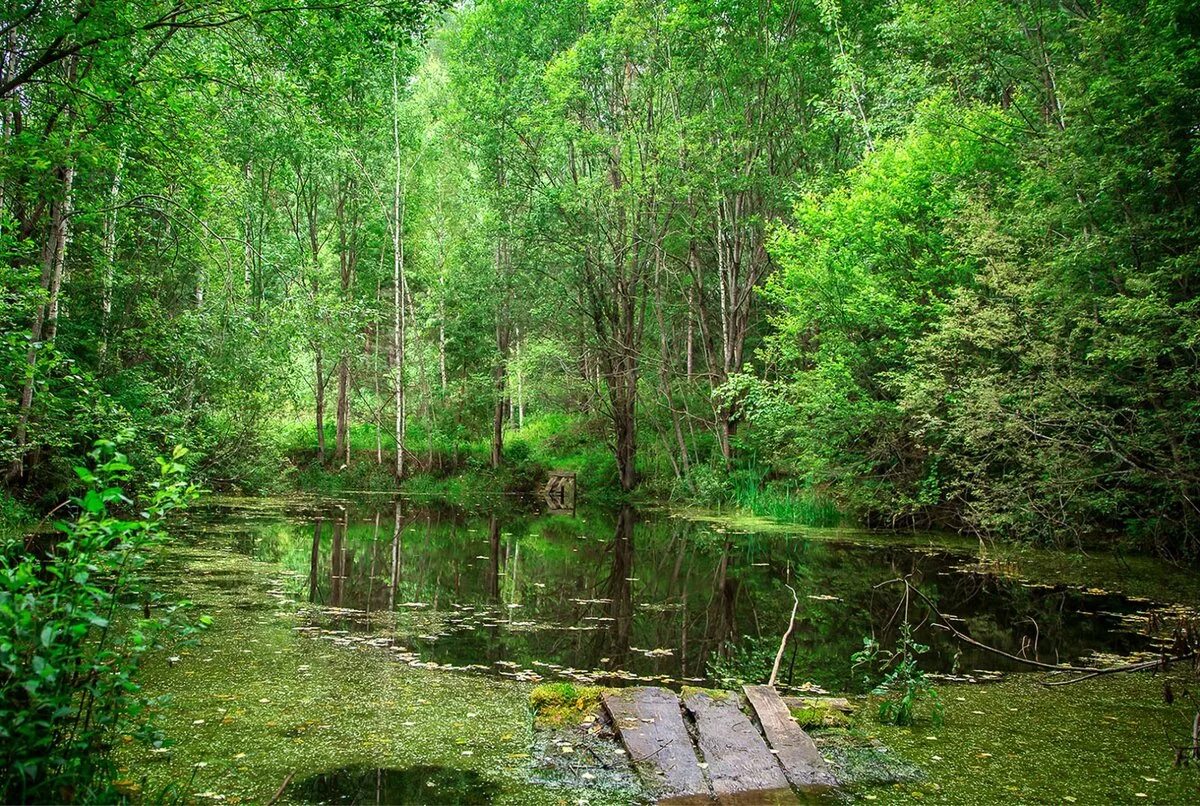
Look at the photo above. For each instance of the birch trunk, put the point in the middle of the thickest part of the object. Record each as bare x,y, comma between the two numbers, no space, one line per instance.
44,324
398,280
109,255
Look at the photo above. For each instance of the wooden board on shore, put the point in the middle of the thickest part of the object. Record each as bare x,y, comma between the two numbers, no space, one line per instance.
650,725
739,761
794,748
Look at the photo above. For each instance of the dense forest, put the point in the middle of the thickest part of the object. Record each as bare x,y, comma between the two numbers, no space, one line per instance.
923,263
868,335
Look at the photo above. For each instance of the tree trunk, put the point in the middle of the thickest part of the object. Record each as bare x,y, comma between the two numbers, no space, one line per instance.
399,321
320,390
347,221
500,373
442,331
109,255
342,432
501,384
520,385
664,367
45,316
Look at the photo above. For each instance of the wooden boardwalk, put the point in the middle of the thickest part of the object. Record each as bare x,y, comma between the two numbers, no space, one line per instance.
797,754
740,764
651,727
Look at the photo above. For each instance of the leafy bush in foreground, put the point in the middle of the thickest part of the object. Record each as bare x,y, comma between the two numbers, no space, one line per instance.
74,620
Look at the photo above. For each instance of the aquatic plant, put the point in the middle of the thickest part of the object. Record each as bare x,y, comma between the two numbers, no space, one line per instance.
904,689
74,619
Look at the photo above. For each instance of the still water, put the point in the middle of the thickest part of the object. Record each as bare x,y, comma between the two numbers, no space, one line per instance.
635,597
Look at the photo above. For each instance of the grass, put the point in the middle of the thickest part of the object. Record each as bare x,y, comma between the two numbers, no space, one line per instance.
447,467
804,507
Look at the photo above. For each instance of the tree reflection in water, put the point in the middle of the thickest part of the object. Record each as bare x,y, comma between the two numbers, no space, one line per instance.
691,603
411,785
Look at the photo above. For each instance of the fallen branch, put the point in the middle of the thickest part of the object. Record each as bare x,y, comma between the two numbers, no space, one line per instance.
1086,672
279,792
784,640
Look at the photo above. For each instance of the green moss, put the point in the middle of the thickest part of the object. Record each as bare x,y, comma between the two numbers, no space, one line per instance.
816,716
557,705
714,694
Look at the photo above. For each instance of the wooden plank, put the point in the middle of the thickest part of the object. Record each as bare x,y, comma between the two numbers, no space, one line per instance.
794,748
651,727
739,761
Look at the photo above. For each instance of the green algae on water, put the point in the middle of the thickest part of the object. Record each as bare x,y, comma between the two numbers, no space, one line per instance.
257,705
1104,740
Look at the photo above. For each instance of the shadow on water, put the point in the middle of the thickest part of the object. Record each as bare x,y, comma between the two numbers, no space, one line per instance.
625,597
411,785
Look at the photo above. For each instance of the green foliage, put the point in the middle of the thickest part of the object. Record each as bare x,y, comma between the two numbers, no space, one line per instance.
985,324
12,512
904,690
76,614
918,264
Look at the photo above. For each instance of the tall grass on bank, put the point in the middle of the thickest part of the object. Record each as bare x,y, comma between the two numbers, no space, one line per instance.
792,505
749,490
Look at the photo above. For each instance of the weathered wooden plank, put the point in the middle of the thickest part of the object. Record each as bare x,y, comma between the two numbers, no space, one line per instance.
739,761
651,727
794,748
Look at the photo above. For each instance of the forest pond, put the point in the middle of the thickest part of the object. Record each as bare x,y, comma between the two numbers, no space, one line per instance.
631,597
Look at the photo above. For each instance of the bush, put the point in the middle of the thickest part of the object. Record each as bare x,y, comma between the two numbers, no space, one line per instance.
904,691
74,620
12,512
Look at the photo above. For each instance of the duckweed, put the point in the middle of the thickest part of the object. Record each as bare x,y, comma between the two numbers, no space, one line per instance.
1100,741
257,706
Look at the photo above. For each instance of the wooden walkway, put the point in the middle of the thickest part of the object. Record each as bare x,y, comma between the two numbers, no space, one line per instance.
651,727
718,751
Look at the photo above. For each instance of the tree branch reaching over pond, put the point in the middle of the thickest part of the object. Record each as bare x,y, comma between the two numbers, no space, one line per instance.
1085,672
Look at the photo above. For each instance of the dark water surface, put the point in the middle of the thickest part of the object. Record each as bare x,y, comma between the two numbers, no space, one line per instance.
628,597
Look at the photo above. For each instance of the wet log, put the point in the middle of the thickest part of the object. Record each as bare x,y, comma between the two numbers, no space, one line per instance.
794,748
650,725
739,761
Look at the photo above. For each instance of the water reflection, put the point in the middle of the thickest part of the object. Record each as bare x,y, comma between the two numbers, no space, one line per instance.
630,596
412,785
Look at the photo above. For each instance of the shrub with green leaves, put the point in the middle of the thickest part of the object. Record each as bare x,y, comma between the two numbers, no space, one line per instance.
76,614
904,690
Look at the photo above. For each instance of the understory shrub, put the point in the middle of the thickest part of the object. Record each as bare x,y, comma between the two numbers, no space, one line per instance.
76,614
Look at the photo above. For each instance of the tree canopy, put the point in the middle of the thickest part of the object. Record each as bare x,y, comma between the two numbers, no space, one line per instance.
932,263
